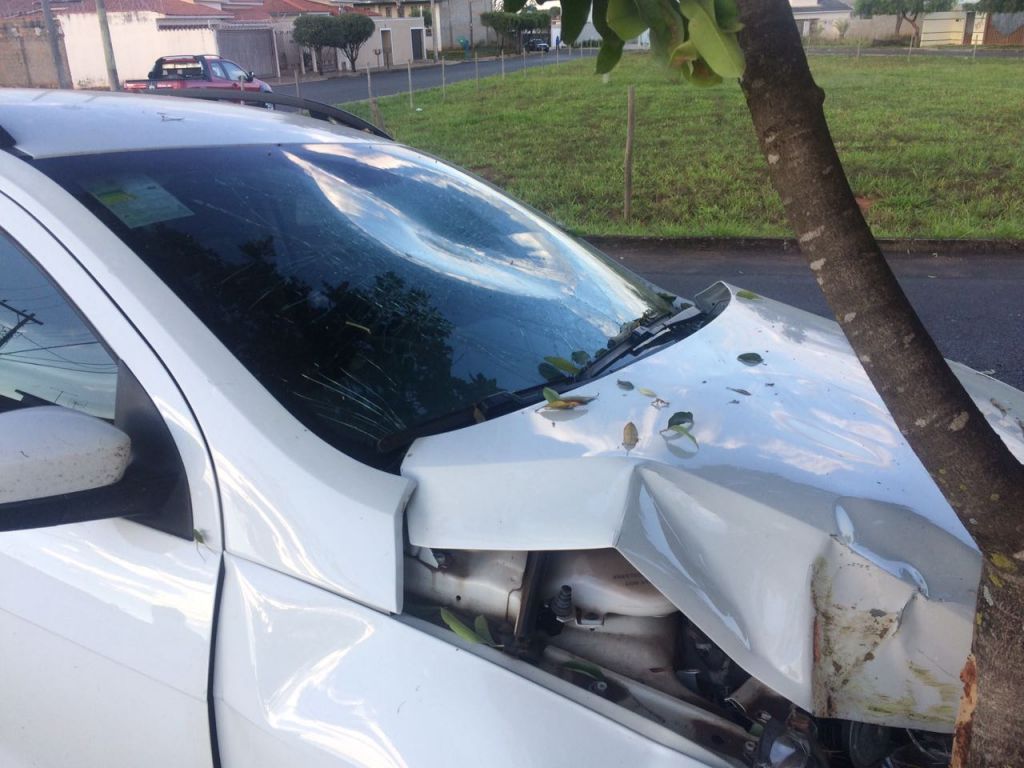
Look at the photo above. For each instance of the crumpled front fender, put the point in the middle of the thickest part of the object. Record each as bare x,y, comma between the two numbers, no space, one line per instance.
797,530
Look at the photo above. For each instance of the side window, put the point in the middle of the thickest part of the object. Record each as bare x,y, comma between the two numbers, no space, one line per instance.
218,70
234,72
48,355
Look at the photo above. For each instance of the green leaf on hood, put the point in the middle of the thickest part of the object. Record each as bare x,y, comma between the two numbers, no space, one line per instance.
683,430
681,418
630,436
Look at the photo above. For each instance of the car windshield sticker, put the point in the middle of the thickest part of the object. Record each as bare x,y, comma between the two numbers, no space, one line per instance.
137,200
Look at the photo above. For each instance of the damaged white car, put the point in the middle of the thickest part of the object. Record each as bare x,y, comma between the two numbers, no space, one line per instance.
316,451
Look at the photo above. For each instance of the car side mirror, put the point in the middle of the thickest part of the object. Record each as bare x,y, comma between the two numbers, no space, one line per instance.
52,456
250,76
48,451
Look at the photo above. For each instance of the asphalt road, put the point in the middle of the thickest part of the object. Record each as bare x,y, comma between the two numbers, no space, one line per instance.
338,90
970,303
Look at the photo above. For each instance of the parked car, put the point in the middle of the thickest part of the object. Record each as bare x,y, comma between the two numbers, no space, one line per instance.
537,44
198,71
317,451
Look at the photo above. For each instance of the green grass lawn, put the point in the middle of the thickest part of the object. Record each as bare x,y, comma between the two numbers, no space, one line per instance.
934,146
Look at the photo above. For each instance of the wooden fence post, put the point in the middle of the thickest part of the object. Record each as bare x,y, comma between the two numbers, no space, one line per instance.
627,200
408,70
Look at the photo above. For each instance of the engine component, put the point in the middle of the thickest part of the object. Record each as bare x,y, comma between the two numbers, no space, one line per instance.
603,582
477,582
789,744
561,604
867,745
710,730
638,647
705,668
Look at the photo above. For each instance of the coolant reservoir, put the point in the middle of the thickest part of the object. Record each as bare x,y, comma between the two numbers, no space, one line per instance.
603,582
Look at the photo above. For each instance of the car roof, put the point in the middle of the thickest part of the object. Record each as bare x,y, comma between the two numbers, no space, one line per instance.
189,57
54,123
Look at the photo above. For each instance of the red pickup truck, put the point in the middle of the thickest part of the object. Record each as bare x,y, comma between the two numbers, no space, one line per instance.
198,71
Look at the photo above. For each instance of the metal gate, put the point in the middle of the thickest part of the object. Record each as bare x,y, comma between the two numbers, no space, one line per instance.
417,44
251,49
385,44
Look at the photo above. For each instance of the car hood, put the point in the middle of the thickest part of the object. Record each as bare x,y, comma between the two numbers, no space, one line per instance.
796,528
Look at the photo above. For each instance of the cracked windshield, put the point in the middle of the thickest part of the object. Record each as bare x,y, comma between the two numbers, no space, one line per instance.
371,290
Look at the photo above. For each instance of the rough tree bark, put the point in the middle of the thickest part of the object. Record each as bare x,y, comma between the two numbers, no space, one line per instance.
978,475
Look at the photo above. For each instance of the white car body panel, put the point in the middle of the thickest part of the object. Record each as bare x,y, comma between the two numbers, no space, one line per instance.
110,622
289,500
305,678
800,535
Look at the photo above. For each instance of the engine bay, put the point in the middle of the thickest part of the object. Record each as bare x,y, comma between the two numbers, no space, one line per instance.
590,618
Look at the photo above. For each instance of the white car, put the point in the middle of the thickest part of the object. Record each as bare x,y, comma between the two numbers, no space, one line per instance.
315,451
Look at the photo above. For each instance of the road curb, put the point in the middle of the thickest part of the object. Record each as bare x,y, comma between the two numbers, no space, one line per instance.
916,247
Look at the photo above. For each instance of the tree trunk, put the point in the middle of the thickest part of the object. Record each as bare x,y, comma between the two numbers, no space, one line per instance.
980,478
899,23
913,23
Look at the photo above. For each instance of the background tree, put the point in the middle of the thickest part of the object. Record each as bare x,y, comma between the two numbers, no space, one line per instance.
502,23
352,30
980,478
999,6
903,10
315,32
514,26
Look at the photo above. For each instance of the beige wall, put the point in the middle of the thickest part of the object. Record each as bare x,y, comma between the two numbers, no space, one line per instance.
137,43
876,28
948,29
401,43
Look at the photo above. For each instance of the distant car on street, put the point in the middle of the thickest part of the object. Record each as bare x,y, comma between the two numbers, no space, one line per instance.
537,44
198,71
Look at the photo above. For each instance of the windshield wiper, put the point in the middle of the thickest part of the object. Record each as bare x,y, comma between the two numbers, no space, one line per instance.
642,338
